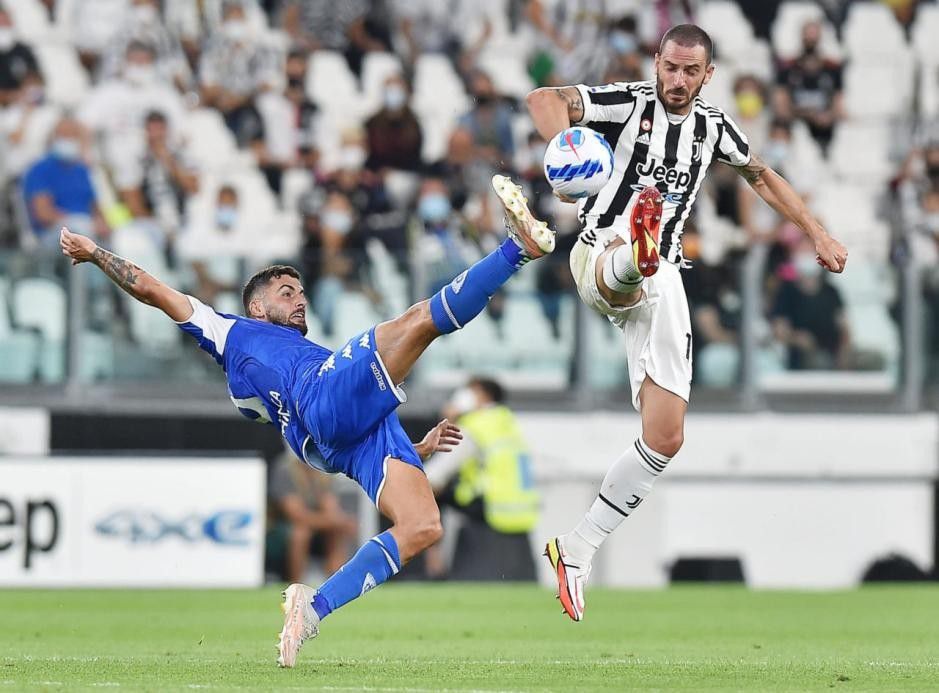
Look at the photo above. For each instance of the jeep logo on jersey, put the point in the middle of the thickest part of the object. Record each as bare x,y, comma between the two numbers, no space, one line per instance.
567,172
671,176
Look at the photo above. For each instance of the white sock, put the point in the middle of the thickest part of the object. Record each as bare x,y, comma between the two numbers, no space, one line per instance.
626,483
620,272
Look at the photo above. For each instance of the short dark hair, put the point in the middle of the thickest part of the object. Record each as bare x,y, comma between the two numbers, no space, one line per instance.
689,35
493,390
264,277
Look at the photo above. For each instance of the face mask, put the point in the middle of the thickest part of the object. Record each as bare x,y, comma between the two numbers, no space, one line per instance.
337,220
145,14
776,152
226,217
623,43
931,221
7,38
806,265
434,208
463,401
237,29
66,149
351,158
749,104
395,97
140,75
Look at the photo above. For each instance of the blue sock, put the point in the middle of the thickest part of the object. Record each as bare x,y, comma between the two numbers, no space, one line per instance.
466,296
374,562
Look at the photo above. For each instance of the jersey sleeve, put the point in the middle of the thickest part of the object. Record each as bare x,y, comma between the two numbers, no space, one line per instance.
733,147
208,328
608,103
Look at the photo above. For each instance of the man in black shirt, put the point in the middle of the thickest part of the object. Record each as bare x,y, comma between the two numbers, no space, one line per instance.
17,61
809,88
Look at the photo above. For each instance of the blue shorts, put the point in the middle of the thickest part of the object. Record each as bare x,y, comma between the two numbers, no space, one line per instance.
348,407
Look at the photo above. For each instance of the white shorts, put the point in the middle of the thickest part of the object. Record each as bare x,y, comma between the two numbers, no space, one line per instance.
657,329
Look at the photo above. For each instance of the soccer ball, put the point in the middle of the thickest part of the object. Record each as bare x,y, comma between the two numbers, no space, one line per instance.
578,162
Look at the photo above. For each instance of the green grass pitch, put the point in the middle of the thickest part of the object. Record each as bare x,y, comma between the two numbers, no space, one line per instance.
412,637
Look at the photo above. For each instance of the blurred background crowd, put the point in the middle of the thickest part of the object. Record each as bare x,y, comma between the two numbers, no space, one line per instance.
356,139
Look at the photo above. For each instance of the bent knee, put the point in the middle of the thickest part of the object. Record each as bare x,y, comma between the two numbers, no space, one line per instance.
424,533
666,443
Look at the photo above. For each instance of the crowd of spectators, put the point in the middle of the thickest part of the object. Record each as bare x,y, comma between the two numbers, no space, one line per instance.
120,155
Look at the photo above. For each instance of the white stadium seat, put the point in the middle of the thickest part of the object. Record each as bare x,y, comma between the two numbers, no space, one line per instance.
871,32
41,304
876,91
208,140
728,27
859,152
330,83
926,33
30,19
786,33
66,79
19,349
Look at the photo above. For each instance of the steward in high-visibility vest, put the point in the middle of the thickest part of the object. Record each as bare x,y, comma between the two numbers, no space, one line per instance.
500,472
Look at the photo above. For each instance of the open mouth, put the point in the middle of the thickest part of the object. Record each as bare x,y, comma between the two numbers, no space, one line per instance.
299,315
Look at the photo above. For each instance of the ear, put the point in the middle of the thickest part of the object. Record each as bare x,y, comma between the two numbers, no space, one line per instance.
256,309
708,73
655,62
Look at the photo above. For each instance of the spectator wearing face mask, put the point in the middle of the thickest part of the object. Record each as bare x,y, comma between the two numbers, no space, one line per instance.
394,133
143,23
490,123
18,64
116,109
291,123
808,316
626,56
58,190
216,247
809,88
331,262
25,126
237,64
157,186
443,251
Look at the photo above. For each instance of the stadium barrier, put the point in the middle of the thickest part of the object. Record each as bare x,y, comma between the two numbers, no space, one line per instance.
131,522
803,501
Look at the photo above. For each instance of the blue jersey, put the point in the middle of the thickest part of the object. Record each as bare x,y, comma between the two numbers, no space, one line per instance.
262,362
336,410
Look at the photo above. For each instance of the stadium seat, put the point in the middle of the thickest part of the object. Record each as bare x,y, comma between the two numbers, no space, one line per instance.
870,32
30,19
19,349
727,25
876,92
386,278
925,33
786,33
437,87
376,68
66,79
509,74
330,83
208,140
859,152
354,315
41,304
528,336
295,182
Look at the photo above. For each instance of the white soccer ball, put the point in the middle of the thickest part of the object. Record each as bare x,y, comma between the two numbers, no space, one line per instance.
578,162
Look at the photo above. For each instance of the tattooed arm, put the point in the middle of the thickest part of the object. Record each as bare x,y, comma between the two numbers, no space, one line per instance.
135,281
778,194
554,110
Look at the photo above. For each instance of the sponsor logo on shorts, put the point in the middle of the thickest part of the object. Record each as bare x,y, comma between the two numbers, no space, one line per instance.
379,378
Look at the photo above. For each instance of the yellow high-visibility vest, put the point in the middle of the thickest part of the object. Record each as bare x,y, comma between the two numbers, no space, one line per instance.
501,475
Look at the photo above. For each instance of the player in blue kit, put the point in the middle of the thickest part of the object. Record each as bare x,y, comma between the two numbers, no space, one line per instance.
341,403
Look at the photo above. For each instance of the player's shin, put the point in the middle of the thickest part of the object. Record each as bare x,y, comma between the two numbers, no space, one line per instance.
624,487
375,562
466,296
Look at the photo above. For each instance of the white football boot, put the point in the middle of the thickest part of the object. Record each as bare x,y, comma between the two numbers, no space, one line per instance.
300,623
533,236
571,579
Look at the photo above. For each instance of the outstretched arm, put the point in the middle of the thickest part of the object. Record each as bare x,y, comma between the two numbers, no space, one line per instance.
135,281
553,110
778,194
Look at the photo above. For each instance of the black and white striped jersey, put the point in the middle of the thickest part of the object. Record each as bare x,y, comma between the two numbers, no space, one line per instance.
653,147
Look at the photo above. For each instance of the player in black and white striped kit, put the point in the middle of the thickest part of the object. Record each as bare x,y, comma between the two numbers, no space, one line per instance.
626,261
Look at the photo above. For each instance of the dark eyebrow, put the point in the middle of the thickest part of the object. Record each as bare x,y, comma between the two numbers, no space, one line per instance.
289,286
